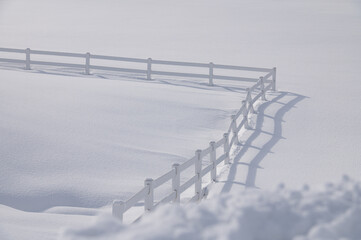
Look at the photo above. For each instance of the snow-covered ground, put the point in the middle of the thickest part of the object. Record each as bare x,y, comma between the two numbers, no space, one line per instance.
330,213
83,142
70,140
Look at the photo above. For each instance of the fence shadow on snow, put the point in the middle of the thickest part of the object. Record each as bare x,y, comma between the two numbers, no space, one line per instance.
287,101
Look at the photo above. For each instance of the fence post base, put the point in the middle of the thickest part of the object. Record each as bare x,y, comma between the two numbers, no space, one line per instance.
198,169
149,198
118,210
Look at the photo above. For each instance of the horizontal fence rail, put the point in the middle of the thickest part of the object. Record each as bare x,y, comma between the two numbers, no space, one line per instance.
87,66
230,138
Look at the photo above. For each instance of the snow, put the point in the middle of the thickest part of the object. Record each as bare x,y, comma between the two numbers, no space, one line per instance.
331,212
73,143
84,142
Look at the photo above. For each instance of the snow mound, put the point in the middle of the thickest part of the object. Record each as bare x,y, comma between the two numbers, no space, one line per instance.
330,212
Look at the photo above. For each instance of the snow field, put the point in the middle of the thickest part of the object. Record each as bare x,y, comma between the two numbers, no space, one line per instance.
315,45
83,142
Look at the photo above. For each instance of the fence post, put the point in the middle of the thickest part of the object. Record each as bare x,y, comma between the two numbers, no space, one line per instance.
226,148
211,74
149,198
149,69
234,129
245,115
27,59
87,63
262,89
274,79
198,169
249,100
176,182
118,209
212,158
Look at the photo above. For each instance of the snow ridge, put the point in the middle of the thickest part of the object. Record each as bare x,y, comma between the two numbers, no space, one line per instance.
330,212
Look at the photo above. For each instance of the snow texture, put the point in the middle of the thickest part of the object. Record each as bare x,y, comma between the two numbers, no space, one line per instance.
73,143
329,213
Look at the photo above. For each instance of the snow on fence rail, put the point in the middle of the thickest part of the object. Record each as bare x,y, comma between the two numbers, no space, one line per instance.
239,120
87,66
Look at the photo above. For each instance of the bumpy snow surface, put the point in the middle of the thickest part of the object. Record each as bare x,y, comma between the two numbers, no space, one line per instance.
331,212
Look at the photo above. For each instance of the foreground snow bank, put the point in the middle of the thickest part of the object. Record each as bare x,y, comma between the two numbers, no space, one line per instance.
331,212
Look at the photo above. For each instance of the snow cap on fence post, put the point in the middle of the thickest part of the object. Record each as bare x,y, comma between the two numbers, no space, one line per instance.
149,197
245,115
249,100
118,209
234,129
212,158
149,69
211,74
226,147
274,79
198,169
27,59
87,63
176,182
262,89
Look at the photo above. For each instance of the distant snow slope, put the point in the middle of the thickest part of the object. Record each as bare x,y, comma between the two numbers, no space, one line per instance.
315,45
332,213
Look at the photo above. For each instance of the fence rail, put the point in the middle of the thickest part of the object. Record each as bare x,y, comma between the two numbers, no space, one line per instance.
230,138
147,70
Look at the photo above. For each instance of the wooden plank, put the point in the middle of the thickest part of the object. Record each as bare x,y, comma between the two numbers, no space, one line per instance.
220,77
167,199
14,50
62,54
188,183
123,59
135,198
164,178
205,152
219,143
256,97
187,164
177,74
72,65
241,124
268,75
206,170
12,60
116,69
186,64
221,158
230,67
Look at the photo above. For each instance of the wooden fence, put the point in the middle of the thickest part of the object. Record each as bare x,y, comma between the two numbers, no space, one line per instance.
230,138
147,70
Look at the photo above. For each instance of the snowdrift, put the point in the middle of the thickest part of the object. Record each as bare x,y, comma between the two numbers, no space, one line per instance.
329,212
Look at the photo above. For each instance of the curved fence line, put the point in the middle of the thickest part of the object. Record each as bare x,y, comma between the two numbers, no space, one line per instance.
230,138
